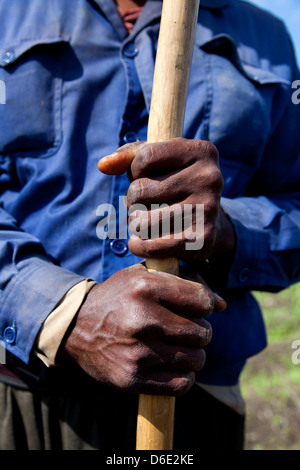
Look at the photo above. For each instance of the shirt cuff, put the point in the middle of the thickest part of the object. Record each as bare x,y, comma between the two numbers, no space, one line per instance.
29,297
59,320
251,267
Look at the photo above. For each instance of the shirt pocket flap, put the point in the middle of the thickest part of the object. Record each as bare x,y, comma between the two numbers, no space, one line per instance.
32,71
11,52
224,45
263,77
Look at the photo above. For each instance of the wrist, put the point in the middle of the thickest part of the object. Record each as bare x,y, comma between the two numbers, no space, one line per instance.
226,237
216,267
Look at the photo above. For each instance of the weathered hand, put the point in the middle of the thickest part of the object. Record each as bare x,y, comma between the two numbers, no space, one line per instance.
144,332
181,174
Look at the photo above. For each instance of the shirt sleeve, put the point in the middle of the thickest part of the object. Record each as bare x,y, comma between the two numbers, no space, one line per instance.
267,219
268,244
31,286
57,323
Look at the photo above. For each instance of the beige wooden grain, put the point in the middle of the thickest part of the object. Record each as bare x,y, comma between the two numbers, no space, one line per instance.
155,421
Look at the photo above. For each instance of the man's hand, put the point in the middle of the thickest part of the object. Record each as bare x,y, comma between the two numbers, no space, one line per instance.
181,174
144,332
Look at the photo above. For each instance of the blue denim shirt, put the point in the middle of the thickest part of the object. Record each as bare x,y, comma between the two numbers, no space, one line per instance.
78,87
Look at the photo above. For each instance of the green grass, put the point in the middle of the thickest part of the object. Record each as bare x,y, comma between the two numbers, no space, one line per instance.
270,381
281,313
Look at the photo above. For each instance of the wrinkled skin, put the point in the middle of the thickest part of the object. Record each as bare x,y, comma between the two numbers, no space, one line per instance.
144,332
141,331
178,171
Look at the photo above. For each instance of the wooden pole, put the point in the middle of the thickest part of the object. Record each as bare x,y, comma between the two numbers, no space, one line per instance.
170,86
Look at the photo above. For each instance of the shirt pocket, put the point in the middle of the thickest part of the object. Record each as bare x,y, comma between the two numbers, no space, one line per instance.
246,102
30,120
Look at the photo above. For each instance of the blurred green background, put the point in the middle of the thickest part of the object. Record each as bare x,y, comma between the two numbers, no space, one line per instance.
270,381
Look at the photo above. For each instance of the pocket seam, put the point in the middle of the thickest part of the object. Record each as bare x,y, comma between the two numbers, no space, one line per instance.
51,148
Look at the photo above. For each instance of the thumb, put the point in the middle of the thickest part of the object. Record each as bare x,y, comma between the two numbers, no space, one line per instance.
118,162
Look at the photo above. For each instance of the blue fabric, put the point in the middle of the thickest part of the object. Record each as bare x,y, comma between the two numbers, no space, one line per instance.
73,95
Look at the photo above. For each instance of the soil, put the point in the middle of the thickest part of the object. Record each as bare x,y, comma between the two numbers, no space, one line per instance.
273,417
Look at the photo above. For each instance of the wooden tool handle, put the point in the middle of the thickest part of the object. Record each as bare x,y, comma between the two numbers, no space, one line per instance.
170,86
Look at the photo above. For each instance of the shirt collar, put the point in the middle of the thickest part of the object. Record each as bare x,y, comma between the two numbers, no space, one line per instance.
150,12
211,3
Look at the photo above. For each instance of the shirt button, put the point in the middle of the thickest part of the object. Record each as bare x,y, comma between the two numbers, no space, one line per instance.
8,57
244,274
9,335
130,137
130,50
118,247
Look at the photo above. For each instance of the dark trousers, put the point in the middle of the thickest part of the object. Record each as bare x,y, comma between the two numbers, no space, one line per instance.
66,410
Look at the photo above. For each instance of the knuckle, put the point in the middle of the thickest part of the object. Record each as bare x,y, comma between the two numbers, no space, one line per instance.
209,150
145,156
145,153
182,141
211,206
212,177
141,286
199,361
181,386
216,179
207,303
136,191
204,333
208,332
